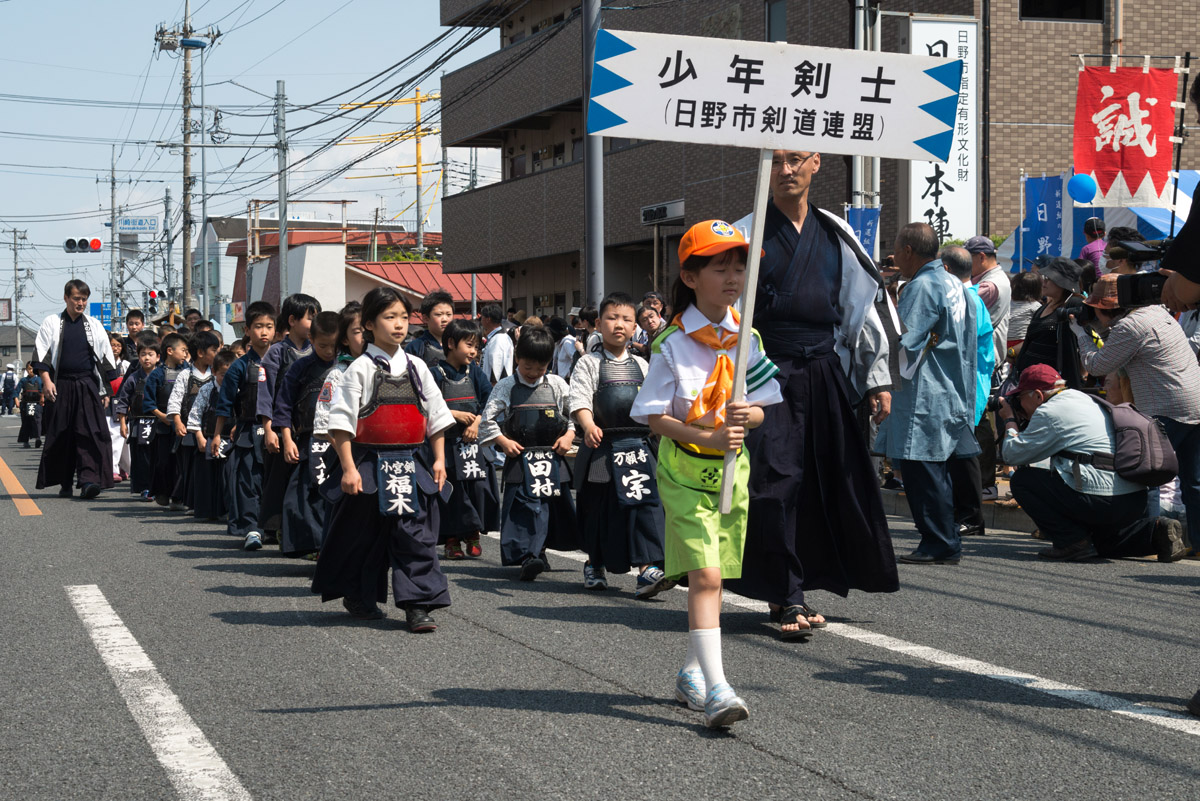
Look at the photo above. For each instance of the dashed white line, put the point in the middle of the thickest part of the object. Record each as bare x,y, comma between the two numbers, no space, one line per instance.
1179,722
195,769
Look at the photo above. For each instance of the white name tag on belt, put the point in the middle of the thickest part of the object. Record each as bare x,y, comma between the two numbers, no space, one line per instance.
317,449
396,477
541,474
470,462
260,431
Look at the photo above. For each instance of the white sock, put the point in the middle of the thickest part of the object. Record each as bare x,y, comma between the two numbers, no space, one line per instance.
691,662
706,644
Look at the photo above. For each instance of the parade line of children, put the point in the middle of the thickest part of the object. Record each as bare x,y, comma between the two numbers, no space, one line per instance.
341,438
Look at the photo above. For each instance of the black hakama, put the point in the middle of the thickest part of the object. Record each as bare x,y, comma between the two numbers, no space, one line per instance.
615,537
141,458
276,474
245,483
473,507
531,524
816,519
185,457
162,446
78,446
208,484
304,507
362,544
31,424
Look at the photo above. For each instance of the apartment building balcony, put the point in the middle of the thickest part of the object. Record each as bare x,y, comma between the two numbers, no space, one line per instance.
521,86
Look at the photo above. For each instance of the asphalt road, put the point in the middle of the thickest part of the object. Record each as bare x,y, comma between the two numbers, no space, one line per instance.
1002,678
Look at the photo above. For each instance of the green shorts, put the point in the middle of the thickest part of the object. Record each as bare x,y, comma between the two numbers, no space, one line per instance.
697,534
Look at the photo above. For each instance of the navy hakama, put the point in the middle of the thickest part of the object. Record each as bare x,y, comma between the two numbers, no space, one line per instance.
78,447
614,536
245,481
208,484
305,509
532,523
472,507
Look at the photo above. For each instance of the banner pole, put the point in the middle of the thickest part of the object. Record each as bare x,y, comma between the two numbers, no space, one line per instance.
1021,228
1179,134
762,194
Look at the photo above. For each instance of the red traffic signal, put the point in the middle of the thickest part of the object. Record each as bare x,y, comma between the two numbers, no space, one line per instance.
82,245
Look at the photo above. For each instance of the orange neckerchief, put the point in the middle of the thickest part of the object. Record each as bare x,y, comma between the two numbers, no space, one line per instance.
718,388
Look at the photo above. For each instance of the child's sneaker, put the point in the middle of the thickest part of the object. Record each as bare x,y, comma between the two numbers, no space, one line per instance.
722,707
253,542
689,688
651,582
594,578
474,549
146,496
453,550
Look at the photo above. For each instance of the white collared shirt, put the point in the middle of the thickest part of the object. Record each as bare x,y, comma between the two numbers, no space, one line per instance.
680,366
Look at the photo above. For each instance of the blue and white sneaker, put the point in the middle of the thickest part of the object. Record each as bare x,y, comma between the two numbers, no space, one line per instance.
253,542
689,688
594,578
651,582
723,707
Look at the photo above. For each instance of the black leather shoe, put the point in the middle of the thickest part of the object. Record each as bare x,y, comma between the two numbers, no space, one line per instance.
363,610
90,491
419,620
1075,552
67,491
971,530
1168,540
918,558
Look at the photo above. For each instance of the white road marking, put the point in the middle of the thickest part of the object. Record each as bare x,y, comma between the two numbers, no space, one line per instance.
1107,703
192,764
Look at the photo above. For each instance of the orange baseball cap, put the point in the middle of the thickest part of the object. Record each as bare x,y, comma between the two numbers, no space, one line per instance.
709,238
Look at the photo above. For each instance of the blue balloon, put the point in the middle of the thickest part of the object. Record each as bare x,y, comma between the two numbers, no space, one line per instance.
1082,188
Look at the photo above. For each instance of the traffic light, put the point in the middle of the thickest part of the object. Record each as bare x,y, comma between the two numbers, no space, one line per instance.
152,302
83,245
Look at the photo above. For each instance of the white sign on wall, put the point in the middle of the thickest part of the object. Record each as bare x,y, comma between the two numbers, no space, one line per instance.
947,195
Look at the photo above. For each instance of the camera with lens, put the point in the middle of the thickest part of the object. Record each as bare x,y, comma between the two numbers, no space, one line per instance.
1141,289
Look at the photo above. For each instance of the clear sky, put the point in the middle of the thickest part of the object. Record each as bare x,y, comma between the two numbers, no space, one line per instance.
104,50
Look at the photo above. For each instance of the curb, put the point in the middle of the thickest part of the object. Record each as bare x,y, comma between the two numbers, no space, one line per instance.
995,515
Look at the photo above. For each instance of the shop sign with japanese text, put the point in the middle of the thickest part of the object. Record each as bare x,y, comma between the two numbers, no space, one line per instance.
773,96
947,195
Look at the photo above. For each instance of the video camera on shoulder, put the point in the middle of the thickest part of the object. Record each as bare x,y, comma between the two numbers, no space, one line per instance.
1142,289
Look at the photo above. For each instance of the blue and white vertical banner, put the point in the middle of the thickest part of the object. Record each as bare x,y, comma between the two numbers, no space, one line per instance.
947,195
865,222
767,95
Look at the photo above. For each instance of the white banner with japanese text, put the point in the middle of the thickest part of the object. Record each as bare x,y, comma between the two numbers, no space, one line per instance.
947,196
773,96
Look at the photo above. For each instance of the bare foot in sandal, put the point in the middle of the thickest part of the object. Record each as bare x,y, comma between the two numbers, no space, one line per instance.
792,622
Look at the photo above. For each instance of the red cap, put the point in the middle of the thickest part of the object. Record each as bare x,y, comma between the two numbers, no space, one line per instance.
1038,376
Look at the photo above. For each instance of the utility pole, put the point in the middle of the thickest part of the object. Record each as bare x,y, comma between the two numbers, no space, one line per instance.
17,235
112,236
187,157
281,143
593,169
420,221
167,239
374,235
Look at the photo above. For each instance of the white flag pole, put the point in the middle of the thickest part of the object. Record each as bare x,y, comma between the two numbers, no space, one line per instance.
762,193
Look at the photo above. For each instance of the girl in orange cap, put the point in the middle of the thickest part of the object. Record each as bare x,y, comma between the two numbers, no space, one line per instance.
685,398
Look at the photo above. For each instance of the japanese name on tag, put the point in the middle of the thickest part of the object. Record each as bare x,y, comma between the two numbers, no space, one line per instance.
633,473
317,450
541,474
395,474
470,465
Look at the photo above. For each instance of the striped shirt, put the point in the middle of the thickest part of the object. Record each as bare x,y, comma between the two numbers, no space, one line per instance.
1153,350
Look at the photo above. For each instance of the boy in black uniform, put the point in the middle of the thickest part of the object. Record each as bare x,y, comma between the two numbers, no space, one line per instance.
473,507
188,383
437,310
208,471
136,426
159,385
238,400
294,410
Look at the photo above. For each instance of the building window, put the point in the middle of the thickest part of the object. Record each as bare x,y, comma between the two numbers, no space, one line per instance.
577,149
1063,10
560,151
516,166
518,304
776,11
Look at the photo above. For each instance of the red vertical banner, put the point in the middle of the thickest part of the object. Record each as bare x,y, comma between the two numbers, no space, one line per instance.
1123,127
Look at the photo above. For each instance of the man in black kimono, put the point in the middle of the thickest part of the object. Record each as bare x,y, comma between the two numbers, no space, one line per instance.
816,513
73,354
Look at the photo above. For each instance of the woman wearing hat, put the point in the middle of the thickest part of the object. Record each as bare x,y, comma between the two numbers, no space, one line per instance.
1049,340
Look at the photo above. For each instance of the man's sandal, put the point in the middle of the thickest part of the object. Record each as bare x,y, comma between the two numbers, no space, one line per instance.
794,614
810,613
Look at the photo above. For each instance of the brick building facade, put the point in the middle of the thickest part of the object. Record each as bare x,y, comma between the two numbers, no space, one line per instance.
525,99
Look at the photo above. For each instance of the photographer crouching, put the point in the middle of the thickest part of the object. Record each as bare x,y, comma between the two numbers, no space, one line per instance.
1083,510
1164,376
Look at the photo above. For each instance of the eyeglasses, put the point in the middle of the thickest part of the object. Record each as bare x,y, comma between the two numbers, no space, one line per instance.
793,162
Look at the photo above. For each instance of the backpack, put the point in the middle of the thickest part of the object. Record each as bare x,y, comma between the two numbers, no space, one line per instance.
1144,454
